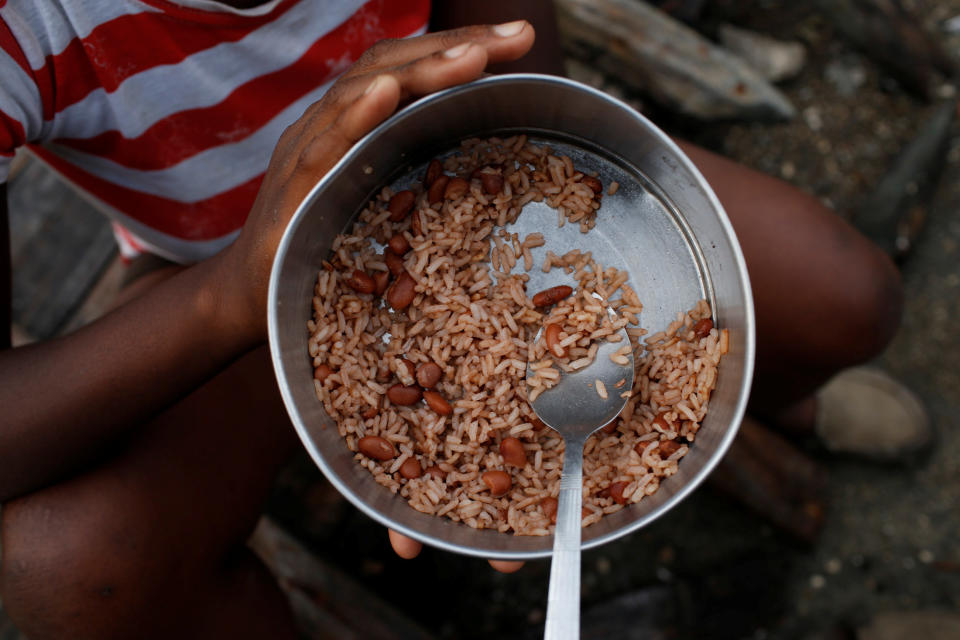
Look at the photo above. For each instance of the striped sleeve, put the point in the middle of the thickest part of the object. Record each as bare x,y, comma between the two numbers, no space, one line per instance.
21,108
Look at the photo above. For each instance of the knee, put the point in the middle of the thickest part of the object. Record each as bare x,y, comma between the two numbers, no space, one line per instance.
68,574
839,314
868,306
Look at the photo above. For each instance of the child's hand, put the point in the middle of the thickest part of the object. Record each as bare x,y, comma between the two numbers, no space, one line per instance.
369,92
408,548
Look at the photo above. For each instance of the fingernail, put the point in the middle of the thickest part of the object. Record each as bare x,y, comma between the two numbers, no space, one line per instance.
457,51
373,85
508,29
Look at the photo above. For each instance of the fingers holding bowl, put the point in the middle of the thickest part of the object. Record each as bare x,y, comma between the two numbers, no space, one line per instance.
430,62
372,90
506,566
408,548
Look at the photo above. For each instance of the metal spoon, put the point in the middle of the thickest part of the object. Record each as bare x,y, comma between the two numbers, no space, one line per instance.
575,410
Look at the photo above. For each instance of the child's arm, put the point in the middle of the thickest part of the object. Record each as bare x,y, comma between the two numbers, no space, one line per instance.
63,400
5,297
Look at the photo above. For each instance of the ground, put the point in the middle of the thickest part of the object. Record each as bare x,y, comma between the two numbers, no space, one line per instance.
709,568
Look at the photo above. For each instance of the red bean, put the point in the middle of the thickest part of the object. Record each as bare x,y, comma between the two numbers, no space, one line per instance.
616,492
416,226
552,335
401,294
497,481
667,448
549,506
661,421
436,472
400,205
594,184
381,279
434,169
404,396
377,448
411,469
322,372
409,366
513,453
552,295
437,189
370,413
429,374
702,328
610,428
438,403
492,183
399,244
361,282
456,188
538,424
394,262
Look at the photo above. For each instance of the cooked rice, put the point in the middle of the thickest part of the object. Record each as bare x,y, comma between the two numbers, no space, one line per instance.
601,389
472,316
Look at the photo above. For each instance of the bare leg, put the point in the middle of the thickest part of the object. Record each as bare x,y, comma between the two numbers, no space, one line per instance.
826,298
151,543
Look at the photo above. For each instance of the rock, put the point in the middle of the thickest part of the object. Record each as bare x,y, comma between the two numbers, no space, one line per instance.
775,60
866,412
951,25
811,115
846,74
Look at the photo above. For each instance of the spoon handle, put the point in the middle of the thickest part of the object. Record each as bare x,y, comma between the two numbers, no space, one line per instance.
563,599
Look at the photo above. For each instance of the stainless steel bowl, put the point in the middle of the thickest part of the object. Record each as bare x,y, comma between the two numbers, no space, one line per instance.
664,224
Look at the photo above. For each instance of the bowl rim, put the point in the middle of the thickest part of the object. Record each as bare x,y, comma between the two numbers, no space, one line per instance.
749,321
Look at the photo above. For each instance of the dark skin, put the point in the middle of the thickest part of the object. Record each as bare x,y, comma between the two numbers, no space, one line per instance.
149,469
215,315
166,430
5,275
543,57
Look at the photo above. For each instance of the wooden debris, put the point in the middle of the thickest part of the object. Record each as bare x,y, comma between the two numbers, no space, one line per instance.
893,38
775,60
328,603
653,53
60,245
773,478
895,212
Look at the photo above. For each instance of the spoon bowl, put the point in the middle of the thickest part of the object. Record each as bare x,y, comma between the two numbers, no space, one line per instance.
574,408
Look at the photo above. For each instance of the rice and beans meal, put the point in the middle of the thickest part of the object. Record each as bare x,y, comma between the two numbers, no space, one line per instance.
422,331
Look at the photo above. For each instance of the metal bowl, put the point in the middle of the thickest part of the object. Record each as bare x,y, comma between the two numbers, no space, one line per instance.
664,225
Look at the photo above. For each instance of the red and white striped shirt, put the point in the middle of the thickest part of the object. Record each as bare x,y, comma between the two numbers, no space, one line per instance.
165,114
